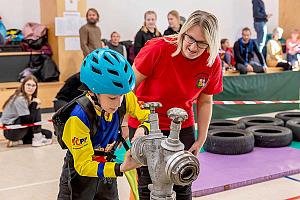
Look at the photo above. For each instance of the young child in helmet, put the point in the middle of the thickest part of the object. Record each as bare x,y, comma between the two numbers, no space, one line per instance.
109,79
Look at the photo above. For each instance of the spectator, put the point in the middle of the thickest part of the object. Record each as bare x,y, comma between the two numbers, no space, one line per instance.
90,34
260,22
174,23
275,57
68,92
176,70
245,50
226,54
23,107
114,44
293,48
147,32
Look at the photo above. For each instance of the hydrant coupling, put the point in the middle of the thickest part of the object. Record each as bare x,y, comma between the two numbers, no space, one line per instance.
168,163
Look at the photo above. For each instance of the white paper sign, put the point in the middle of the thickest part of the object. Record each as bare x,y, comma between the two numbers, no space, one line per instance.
71,14
72,44
71,5
68,26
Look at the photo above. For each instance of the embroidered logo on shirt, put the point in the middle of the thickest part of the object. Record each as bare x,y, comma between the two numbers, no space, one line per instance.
78,143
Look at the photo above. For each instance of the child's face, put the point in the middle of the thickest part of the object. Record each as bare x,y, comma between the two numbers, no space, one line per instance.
226,44
110,103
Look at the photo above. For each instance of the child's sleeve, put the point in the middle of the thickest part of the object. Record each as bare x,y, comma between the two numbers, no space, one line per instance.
76,136
133,108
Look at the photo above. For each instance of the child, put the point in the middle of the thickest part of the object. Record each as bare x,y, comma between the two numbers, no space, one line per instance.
226,54
109,79
293,48
23,108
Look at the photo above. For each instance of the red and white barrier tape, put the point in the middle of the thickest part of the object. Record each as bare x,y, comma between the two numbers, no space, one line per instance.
18,126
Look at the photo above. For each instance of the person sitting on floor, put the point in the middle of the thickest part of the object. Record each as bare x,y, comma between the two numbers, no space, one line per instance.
226,54
293,48
23,107
275,57
245,50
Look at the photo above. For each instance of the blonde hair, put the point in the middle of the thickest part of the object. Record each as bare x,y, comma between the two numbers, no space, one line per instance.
209,25
175,13
144,28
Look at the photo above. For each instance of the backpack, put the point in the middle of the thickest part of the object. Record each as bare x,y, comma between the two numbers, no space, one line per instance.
61,116
14,36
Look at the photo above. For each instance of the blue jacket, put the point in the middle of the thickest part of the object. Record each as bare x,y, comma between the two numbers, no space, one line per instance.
259,11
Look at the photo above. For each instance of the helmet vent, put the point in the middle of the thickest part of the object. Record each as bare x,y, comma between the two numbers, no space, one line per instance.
95,60
126,68
130,80
118,84
96,70
106,58
115,57
84,63
113,72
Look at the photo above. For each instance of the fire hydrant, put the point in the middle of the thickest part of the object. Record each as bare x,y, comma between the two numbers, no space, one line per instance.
168,163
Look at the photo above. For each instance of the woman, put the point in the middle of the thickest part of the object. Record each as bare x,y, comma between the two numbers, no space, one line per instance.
147,32
23,108
177,70
275,57
174,23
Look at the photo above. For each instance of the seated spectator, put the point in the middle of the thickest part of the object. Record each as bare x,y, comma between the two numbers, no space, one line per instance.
104,43
275,57
23,107
68,92
293,48
226,54
114,44
246,54
174,23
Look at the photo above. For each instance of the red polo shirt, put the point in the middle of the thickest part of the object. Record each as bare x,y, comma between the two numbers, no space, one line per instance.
174,81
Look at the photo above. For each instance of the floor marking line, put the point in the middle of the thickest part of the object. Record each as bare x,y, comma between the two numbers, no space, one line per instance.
291,178
28,185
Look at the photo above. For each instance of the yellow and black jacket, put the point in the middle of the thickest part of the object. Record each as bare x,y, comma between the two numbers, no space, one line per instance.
76,136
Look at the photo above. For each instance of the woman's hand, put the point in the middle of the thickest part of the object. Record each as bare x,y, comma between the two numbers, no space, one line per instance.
38,101
138,133
129,163
195,148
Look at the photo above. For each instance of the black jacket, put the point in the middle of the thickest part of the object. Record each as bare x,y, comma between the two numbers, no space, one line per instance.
241,50
170,31
141,38
70,89
259,11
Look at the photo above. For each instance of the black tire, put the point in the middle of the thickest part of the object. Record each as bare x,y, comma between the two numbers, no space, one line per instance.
294,125
271,136
229,142
286,116
261,121
226,124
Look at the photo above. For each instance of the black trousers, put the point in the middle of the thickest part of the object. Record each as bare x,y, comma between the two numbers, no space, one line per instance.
72,186
26,134
187,137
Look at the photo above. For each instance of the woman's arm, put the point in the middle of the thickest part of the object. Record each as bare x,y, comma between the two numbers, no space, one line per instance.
204,112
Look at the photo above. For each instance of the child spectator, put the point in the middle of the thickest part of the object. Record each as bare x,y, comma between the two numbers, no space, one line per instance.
226,54
23,107
293,48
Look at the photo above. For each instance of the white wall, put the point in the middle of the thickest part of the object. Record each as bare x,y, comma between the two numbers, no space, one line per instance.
126,16
16,13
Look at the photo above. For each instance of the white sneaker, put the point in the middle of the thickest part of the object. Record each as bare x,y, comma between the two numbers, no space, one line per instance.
14,143
39,140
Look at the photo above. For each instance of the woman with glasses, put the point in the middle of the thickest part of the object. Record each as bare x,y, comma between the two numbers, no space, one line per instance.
177,71
23,108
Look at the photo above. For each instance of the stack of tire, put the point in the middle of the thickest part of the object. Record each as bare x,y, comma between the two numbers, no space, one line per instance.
230,137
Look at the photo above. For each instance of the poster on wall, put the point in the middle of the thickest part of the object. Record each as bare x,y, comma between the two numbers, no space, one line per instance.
71,5
68,26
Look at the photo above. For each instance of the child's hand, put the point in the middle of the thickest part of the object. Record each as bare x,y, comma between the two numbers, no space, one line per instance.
129,163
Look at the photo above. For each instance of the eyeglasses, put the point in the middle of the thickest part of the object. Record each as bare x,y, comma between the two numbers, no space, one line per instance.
189,39
30,85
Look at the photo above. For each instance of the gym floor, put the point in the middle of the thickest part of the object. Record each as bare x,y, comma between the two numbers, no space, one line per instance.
30,173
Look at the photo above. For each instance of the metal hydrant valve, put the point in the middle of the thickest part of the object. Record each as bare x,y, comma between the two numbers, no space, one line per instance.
168,163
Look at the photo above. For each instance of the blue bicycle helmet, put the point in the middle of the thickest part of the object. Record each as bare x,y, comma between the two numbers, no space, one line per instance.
105,71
